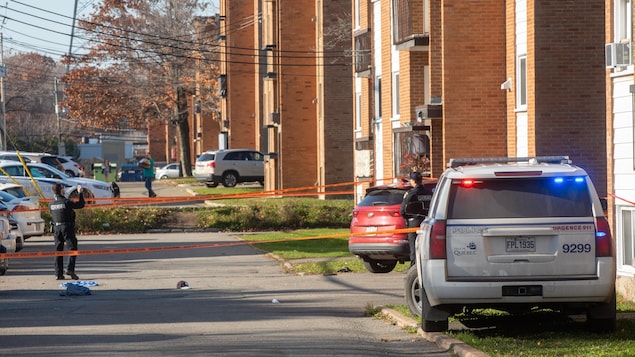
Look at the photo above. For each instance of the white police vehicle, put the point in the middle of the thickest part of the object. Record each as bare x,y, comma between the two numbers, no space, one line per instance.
513,234
46,176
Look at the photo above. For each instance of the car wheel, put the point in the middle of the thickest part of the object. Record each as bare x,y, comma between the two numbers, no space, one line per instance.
602,317
211,184
379,266
413,291
230,179
163,177
70,173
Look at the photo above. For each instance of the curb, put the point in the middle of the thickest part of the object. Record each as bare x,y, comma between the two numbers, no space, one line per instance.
459,347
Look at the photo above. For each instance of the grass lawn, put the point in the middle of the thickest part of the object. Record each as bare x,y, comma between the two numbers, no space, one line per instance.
316,251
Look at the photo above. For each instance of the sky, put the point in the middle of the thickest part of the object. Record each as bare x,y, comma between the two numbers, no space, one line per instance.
45,26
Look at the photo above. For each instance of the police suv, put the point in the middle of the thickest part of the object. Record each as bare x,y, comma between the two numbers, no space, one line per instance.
514,234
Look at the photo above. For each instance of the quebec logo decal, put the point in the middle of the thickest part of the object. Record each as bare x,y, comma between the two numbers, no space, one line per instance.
468,250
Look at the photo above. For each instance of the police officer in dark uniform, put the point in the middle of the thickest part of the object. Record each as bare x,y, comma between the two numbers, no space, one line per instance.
63,221
414,208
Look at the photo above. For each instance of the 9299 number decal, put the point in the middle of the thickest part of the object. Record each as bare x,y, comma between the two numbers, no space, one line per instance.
576,248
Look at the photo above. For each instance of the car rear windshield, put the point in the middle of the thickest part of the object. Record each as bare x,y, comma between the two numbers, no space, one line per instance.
383,197
206,157
519,197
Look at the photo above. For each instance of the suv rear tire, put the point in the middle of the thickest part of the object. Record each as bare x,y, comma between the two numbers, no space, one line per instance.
413,291
379,266
230,179
602,318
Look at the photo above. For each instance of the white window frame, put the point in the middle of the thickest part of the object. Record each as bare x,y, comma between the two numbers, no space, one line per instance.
623,25
358,16
358,111
395,95
626,245
521,82
378,99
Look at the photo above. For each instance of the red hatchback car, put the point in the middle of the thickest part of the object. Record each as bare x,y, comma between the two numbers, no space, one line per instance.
379,211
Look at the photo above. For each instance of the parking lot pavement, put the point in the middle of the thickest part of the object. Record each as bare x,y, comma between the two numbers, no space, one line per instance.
240,302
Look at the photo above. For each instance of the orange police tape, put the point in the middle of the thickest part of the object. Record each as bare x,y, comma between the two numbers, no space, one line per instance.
182,247
289,192
622,199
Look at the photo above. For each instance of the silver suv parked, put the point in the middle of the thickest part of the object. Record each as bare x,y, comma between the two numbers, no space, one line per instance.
514,234
230,167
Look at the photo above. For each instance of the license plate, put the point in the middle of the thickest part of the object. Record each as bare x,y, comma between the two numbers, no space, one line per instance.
371,229
520,244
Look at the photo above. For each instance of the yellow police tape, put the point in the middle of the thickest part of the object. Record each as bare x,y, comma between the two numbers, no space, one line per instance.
182,247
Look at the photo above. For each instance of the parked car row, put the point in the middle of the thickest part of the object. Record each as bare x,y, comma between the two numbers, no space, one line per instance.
62,163
20,218
46,176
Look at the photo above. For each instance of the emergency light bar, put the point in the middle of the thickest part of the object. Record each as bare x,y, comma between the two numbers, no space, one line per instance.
502,160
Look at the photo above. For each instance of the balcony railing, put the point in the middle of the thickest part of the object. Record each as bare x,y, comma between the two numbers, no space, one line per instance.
363,51
409,23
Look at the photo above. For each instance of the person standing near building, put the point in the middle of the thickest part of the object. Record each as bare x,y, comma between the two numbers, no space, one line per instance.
414,208
148,173
106,170
63,221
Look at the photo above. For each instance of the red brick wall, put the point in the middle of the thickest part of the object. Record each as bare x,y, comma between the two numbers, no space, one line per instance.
297,83
338,102
473,69
570,102
242,53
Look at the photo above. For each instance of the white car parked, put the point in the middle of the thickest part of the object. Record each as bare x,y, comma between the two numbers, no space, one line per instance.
46,176
25,210
7,242
168,171
514,234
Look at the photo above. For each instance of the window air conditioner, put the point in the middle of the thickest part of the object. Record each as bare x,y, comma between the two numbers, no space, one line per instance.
618,54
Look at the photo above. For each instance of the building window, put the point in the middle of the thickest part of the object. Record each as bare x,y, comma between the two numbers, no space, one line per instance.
357,14
411,153
395,94
626,223
378,103
358,111
521,82
623,20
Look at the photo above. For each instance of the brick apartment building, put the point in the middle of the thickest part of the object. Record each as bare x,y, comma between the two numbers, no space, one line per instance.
287,80
461,78
620,96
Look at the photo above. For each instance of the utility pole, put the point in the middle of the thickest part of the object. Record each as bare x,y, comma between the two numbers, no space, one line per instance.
3,74
61,148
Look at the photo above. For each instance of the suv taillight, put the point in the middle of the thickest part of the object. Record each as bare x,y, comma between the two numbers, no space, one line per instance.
603,238
212,164
437,240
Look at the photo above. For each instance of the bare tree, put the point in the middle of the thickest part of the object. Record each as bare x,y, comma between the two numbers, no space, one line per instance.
141,66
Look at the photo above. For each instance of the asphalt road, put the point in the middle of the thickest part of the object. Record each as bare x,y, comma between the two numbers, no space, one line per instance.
240,303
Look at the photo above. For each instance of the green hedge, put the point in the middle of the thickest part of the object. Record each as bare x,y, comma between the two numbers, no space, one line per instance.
256,215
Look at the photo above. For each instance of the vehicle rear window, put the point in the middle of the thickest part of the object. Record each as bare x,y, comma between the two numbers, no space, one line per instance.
206,157
517,198
386,197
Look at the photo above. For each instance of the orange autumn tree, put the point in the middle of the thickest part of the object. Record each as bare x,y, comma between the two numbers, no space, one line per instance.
143,62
